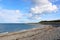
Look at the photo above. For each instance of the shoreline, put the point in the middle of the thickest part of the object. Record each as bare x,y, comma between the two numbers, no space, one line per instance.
33,34
22,31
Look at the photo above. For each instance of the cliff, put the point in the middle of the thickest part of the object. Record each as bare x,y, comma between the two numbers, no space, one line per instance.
46,33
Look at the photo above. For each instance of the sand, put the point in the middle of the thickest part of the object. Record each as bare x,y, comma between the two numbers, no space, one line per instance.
46,33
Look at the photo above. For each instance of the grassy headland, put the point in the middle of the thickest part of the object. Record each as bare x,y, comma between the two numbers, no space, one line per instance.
50,22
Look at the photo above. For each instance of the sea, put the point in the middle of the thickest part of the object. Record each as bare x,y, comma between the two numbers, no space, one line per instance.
14,27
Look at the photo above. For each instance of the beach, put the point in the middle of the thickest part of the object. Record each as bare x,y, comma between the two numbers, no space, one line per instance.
46,33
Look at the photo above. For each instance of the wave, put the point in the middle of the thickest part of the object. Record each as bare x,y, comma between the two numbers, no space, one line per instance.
4,33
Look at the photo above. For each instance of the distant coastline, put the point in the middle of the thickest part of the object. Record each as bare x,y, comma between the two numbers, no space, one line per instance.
52,21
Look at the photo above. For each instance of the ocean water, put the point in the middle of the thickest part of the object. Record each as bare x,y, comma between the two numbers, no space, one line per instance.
13,27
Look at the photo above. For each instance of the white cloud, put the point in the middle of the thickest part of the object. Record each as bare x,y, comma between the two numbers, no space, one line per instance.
37,17
41,6
15,16
10,16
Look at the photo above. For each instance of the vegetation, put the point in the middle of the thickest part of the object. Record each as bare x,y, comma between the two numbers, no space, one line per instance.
50,22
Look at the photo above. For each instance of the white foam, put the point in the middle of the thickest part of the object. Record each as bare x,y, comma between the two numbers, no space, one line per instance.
4,33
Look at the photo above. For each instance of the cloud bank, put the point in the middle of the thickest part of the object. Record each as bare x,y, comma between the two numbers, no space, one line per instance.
41,6
38,7
10,16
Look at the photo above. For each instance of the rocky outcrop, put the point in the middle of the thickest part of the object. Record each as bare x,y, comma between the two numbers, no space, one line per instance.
46,33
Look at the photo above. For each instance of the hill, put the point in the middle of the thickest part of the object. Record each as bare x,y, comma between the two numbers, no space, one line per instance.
52,22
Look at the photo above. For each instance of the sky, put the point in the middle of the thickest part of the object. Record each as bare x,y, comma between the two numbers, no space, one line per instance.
29,11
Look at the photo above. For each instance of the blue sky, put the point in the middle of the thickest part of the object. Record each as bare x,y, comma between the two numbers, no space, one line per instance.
27,11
